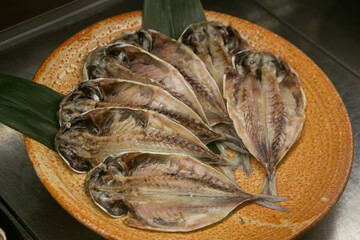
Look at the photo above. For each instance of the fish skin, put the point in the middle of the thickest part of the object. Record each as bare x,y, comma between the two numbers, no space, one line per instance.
214,43
188,64
109,92
120,60
166,192
92,136
267,104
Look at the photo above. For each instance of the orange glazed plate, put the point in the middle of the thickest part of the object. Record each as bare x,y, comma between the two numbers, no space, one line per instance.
313,174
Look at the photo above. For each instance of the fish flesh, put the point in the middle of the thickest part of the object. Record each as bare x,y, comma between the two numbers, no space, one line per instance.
188,64
111,92
267,104
92,136
167,192
214,43
111,60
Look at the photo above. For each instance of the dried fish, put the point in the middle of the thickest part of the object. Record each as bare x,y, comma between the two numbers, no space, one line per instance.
126,61
109,92
170,193
188,64
92,136
214,43
267,104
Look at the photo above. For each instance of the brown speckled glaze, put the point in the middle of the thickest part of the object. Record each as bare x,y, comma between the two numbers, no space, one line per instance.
314,173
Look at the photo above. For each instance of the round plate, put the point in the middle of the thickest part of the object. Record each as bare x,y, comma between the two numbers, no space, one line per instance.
313,173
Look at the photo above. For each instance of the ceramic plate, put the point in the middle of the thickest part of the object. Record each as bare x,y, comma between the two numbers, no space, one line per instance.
314,173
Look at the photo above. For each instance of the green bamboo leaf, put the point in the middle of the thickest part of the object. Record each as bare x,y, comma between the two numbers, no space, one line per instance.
29,108
171,17
212,146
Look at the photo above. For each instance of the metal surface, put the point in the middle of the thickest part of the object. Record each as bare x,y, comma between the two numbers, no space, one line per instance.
330,43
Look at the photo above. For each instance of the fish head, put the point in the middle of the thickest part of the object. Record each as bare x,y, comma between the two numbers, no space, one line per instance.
94,65
248,61
80,100
104,185
194,36
141,38
118,52
232,38
71,142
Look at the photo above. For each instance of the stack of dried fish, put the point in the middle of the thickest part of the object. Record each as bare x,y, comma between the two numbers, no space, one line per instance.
264,96
154,103
207,86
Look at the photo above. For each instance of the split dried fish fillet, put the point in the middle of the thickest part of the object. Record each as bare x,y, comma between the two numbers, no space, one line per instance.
170,193
188,64
126,61
214,43
109,92
98,133
267,104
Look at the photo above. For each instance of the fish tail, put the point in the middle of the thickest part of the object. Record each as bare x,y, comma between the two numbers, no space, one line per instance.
225,160
243,162
269,201
228,170
242,156
269,187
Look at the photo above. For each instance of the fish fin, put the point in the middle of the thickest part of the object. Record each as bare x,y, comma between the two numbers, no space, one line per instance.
229,172
222,149
269,187
237,147
243,162
271,205
230,164
270,202
132,221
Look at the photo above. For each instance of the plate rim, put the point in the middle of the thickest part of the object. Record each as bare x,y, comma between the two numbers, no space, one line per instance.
79,217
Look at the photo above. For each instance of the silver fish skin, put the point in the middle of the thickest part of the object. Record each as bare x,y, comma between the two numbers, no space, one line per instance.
109,92
267,104
120,60
92,136
188,64
214,43
169,193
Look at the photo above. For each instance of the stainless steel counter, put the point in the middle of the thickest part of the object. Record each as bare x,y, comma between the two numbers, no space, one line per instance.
327,31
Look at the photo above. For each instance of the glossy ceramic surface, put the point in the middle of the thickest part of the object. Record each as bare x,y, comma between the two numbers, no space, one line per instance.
314,173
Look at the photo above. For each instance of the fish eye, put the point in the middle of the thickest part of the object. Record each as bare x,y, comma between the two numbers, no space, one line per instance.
122,57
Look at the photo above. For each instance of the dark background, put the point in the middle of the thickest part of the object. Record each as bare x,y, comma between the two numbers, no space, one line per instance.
327,31
14,12
334,25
